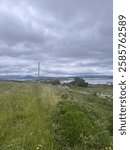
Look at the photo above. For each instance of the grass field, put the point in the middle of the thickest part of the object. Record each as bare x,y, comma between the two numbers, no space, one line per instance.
45,117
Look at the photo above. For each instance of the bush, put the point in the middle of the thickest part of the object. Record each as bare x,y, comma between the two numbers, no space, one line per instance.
79,82
55,82
74,128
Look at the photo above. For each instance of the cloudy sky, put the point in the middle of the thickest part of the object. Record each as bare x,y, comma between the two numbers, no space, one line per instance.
68,37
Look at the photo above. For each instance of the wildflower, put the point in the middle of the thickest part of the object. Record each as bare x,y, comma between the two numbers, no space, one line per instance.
39,146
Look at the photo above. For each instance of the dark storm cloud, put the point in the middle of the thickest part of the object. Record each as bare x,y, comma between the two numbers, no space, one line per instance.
67,37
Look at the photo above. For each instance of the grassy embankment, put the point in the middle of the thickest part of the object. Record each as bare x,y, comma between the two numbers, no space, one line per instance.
49,117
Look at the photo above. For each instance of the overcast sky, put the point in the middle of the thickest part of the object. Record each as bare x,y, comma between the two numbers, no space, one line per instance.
68,37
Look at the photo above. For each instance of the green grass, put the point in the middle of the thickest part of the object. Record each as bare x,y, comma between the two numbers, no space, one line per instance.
83,127
45,117
25,116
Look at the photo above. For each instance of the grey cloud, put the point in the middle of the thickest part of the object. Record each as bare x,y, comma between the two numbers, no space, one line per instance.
67,37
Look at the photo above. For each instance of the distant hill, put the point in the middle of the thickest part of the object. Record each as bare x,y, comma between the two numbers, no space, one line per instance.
29,77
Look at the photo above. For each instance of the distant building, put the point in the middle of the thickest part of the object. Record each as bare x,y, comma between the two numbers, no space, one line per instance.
66,80
109,83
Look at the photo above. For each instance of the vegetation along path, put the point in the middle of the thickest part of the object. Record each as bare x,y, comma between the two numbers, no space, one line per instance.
46,117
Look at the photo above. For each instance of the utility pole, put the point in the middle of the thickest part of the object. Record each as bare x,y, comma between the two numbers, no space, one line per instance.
38,71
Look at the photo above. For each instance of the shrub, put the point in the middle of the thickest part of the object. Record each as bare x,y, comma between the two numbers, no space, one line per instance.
74,128
55,82
79,82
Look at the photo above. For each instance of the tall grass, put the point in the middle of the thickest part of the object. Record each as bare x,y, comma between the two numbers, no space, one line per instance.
44,117
25,116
